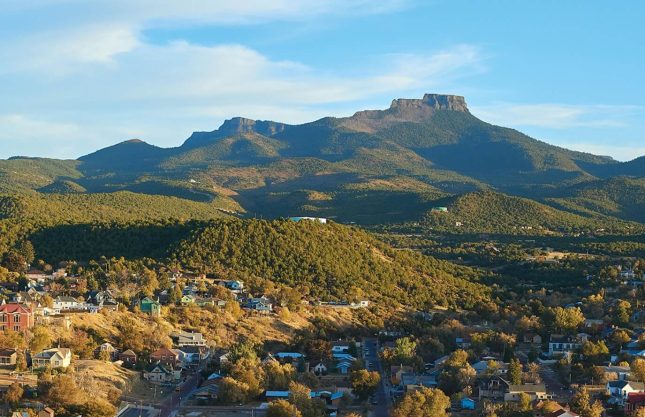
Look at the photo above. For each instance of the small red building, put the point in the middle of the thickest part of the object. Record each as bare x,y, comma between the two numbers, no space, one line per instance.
635,400
17,317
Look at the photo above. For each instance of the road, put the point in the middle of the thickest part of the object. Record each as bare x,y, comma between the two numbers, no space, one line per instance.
173,402
370,353
553,384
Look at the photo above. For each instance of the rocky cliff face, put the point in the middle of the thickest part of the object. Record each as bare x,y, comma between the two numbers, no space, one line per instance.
405,110
239,125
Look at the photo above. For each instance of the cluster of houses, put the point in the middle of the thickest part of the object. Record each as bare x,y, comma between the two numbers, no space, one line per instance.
188,353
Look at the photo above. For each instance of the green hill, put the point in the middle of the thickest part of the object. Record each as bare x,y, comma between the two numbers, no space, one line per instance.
23,215
329,261
621,197
492,212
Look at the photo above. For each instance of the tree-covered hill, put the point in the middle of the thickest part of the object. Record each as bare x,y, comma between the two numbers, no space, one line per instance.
22,215
329,261
621,197
493,212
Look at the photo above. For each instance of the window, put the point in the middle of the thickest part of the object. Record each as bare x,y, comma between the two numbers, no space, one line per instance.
16,328
16,318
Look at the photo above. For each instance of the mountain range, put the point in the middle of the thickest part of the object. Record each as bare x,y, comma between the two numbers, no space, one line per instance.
375,167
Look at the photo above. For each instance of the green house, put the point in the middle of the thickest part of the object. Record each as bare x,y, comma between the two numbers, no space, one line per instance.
150,306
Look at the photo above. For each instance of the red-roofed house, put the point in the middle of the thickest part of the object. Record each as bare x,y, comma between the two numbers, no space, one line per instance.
14,316
165,356
635,400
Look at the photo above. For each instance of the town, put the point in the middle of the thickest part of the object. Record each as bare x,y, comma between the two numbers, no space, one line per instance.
158,353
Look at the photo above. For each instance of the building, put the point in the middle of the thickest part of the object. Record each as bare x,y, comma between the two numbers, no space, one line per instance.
63,303
8,357
183,338
17,317
620,390
128,357
563,345
635,401
314,219
467,403
534,391
52,358
149,306
159,372
165,356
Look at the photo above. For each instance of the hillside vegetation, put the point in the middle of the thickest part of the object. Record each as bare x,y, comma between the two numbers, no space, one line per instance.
492,212
328,261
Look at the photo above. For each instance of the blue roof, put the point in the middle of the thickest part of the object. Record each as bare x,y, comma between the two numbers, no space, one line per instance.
277,394
289,355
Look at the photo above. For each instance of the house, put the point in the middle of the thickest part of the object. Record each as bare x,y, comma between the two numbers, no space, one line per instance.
319,369
159,372
149,306
17,317
52,358
261,305
412,381
462,342
467,403
340,346
620,390
193,355
276,395
235,285
593,325
288,356
128,357
207,393
183,338
106,347
562,413
8,357
187,299
635,400
397,370
63,303
165,356
46,412
482,367
534,391
103,300
532,338
563,345
492,388
613,373
343,367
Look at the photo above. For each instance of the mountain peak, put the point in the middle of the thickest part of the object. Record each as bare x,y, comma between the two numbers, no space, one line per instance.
433,101
238,125
405,110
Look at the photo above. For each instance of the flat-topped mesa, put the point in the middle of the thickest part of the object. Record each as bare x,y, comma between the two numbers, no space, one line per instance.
434,101
238,125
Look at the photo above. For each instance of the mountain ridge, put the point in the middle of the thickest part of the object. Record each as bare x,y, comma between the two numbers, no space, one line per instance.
340,167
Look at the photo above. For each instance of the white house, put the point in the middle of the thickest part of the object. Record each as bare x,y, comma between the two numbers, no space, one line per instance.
183,338
63,303
563,345
619,390
319,369
52,358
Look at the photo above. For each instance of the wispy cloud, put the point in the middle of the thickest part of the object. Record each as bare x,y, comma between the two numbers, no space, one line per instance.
557,116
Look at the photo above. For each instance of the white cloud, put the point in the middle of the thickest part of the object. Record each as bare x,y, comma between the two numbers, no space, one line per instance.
556,116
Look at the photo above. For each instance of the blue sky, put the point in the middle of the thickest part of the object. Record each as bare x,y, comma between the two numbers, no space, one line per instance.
77,75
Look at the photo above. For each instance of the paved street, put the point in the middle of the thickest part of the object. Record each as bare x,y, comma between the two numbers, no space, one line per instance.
370,353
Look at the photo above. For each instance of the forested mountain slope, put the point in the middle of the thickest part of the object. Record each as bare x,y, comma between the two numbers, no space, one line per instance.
377,166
